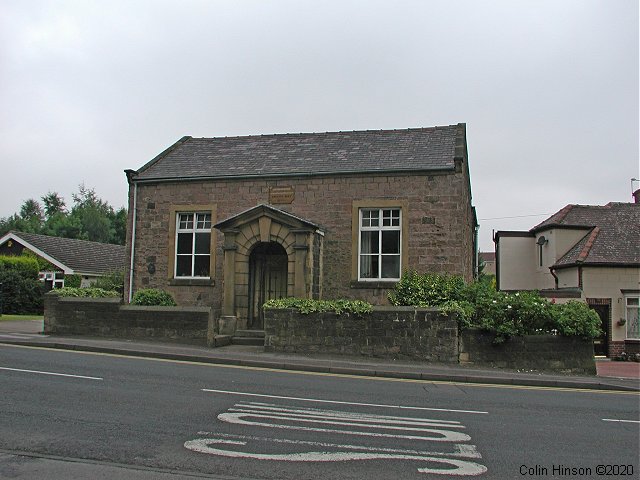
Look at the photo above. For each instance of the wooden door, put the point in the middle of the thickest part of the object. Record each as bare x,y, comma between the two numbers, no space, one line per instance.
267,279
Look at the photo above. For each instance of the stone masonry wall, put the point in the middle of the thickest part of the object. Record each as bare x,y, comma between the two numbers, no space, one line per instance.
438,207
529,352
401,333
422,335
107,317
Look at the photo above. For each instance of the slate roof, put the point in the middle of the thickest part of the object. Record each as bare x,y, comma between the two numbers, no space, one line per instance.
81,256
414,149
488,256
612,233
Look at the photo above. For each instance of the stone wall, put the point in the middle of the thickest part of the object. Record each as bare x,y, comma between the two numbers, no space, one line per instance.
392,332
422,335
107,317
529,352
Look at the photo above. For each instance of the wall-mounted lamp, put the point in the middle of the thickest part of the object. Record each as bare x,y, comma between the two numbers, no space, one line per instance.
542,240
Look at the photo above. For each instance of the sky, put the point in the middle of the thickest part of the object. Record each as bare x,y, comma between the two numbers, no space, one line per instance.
548,89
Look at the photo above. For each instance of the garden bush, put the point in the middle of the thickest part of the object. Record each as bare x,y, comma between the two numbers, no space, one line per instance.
25,265
307,305
428,290
21,291
21,295
73,281
90,292
111,281
479,305
576,318
153,297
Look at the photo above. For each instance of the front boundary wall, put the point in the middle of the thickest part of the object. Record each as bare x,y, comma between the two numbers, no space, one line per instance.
407,333
402,333
107,317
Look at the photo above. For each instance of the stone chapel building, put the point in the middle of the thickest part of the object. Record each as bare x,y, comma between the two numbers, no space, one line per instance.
232,222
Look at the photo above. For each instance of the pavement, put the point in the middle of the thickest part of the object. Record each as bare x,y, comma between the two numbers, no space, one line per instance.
611,375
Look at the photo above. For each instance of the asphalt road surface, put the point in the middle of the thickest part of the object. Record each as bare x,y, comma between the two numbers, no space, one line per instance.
82,415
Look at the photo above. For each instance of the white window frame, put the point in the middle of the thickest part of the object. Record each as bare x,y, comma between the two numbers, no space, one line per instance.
193,231
380,228
627,308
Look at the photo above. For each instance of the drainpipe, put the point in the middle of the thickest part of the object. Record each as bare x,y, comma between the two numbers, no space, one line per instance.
555,277
133,229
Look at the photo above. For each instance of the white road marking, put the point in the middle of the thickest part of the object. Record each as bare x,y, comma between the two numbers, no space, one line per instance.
621,421
316,413
461,450
22,336
460,467
318,421
338,402
256,416
50,373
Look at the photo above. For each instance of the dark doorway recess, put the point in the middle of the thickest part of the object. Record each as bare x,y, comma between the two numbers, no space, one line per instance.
268,263
601,343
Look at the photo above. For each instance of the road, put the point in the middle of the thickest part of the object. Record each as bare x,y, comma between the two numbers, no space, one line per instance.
78,415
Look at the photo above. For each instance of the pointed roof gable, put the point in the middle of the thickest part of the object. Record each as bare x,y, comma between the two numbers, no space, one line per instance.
261,210
417,149
612,233
70,255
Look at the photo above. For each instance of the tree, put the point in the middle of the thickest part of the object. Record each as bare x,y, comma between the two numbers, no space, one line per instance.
90,218
119,223
31,209
94,215
53,204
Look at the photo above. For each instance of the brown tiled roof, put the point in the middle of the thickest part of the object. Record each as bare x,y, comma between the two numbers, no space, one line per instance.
307,154
488,256
80,255
612,233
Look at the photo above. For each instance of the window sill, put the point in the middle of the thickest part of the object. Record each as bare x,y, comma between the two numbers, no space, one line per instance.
632,340
192,282
374,284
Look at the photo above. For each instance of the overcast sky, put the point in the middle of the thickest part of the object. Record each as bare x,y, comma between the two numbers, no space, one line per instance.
548,89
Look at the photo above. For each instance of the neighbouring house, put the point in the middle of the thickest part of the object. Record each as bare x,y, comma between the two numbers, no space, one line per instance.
66,256
585,252
488,262
232,222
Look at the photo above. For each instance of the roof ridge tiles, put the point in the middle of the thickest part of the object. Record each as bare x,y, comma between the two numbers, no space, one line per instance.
588,245
330,132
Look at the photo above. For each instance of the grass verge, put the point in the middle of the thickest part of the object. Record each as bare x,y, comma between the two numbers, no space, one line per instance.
14,318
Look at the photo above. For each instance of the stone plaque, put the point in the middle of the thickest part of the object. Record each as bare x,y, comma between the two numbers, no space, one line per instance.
281,195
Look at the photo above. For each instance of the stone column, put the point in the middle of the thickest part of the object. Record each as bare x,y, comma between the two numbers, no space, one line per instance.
301,248
229,273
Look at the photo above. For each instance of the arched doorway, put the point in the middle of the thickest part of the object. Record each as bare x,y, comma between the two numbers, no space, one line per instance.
268,264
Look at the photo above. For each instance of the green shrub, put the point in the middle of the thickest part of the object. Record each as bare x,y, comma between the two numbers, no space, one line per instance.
26,265
84,292
73,281
111,281
503,314
427,290
20,294
577,319
307,305
21,291
153,297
